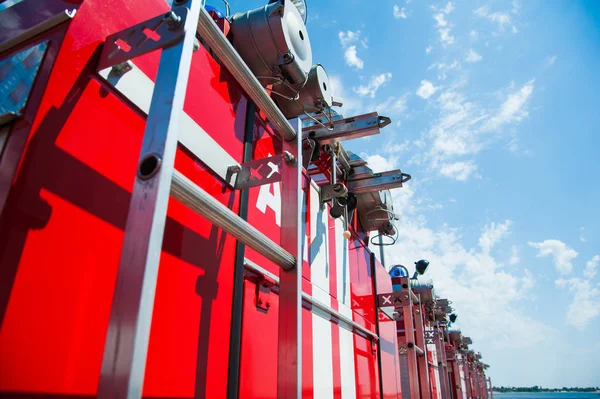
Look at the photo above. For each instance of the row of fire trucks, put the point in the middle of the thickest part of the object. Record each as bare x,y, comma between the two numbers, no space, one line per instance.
179,217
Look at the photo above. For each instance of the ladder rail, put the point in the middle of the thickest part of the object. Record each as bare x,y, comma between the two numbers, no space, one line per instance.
210,32
128,334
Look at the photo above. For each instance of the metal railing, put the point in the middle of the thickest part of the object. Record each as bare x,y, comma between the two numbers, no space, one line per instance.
309,299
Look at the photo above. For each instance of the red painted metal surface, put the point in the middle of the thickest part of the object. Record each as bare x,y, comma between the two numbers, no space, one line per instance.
63,224
390,365
62,228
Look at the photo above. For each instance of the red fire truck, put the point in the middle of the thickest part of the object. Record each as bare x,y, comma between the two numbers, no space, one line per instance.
179,217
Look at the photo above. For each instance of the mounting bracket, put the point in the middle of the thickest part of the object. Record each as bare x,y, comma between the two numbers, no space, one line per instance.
156,33
378,182
349,128
257,172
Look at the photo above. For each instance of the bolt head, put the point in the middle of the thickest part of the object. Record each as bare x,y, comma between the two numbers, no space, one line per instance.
288,157
172,19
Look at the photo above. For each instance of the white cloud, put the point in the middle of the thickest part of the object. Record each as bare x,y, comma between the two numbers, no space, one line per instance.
513,145
348,37
586,296
352,103
399,12
440,18
445,37
444,28
393,105
455,131
586,301
463,128
514,257
380,164
513,110
448,8
473,56
591,267
473,35
502,19
443,69
492,233
426,90
374,84
352,58
428,49
388,158
516,7
562,254
527,280
350,54
460,171
581,236
487,298
550,61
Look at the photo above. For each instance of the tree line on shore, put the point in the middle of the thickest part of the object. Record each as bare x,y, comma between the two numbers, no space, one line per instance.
537,388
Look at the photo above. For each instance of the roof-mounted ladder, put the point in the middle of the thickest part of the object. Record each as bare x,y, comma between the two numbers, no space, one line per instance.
124,360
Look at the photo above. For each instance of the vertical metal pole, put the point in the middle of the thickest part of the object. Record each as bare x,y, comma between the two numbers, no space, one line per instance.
491,388
381,252
289,360
422,360
411,353
233,378
126,347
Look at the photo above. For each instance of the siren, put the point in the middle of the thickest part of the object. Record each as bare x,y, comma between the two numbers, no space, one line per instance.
274,43
398,271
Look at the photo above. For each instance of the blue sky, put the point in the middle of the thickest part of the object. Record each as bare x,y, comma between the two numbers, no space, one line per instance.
497,118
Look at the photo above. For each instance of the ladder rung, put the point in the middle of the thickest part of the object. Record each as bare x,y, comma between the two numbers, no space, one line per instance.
198,200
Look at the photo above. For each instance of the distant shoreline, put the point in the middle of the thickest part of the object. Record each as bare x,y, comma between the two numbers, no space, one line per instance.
548,391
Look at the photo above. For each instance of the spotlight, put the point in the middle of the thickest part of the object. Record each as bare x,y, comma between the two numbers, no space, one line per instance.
453,318
421,267
274,43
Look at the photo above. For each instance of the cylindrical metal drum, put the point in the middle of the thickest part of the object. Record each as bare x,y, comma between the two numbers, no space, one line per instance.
274,43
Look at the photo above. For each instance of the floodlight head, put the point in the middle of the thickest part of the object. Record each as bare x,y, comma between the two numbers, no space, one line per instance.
273,41
453,317
421,266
